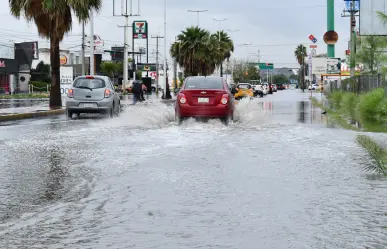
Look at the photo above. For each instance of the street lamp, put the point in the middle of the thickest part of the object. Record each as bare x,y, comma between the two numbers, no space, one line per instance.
197,12
165,49
221,62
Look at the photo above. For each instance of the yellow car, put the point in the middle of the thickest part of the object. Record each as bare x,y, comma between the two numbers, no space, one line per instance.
244,90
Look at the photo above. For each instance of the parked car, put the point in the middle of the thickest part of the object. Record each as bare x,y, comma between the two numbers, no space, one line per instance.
281,86
274,88
245,90
313,87
204,97
92,94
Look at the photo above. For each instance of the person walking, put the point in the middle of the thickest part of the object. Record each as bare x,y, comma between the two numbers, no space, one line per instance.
143,89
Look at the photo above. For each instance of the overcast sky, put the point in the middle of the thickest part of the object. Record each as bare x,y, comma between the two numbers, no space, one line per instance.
272,27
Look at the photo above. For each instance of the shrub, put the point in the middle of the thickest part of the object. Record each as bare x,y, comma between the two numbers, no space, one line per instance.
349,102
370,104
336,98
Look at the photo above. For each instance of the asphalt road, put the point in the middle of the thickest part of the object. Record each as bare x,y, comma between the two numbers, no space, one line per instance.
280,177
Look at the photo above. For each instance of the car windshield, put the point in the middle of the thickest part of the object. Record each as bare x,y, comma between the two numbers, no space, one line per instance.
89,83
244,86
204,83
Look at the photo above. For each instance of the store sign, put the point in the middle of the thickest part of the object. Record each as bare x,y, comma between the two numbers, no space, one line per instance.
66,79
9,66
63,60
140,30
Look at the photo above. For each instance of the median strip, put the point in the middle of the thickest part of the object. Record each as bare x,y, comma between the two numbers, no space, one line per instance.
28,115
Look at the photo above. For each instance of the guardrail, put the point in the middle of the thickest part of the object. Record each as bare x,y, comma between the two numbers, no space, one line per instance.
32,89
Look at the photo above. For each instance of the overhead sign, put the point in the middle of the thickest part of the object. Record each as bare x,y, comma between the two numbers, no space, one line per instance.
319,65
66,79
140,30
333,66
312,38
266,66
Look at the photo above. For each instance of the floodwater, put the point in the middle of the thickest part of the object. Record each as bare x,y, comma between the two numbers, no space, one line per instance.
279,177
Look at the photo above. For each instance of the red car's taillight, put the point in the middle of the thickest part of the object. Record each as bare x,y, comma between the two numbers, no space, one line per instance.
224,99
181,98
70,93
107,93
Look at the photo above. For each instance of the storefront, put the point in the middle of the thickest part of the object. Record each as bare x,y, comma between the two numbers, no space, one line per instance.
8,68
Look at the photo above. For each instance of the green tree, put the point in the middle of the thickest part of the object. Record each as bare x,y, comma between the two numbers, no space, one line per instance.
111,68
300,54
280,79
53,19
42,73
371,52
198,52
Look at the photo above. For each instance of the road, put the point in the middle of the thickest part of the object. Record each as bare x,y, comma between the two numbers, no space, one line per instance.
280,177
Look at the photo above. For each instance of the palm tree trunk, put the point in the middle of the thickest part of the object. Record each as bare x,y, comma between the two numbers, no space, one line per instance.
55,94
303,76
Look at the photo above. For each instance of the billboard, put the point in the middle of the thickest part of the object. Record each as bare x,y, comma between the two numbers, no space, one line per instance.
333,66
98,45
369,21
319,65
66,79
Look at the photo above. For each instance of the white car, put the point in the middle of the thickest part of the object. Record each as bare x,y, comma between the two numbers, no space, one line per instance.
313,87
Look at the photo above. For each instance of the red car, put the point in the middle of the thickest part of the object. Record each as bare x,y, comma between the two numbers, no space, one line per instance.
204,97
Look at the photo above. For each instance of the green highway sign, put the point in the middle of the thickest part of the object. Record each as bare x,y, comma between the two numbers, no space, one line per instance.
265,66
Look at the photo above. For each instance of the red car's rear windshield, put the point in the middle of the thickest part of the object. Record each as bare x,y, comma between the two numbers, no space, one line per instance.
203,83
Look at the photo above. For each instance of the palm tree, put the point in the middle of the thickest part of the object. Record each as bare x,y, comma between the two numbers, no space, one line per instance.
53,18
300,54
198,52
111,68
224,49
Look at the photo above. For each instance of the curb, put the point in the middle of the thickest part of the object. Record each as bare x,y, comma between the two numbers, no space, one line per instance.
18,116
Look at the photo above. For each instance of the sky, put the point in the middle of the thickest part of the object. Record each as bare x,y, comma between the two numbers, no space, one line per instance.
272,29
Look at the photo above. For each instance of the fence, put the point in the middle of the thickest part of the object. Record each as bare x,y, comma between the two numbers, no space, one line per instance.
33,89
358,84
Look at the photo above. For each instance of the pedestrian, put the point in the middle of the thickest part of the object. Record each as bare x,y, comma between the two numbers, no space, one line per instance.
136,89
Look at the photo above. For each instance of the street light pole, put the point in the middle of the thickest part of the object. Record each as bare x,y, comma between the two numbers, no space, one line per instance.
165,49
92,43
197,13
220,59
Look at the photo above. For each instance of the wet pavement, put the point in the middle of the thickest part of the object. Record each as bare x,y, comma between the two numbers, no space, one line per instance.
279,177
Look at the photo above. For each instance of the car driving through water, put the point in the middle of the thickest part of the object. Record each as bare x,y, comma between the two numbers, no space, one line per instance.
204,97
92,94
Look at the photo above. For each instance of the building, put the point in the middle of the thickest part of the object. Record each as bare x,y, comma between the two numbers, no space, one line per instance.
8,68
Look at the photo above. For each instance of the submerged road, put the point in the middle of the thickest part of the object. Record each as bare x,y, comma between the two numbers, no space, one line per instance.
280,177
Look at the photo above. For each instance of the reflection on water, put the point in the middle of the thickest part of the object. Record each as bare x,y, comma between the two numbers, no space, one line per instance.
15,103
302,111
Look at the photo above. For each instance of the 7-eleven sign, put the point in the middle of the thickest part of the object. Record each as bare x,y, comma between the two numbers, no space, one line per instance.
140,30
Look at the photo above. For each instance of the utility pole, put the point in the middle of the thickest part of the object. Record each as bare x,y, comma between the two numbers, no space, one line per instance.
197,13
157,61
331,25
124,13
83,50
92,43
353,10
220,59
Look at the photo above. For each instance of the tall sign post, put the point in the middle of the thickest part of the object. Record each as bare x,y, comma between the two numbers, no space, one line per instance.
140,31
331,26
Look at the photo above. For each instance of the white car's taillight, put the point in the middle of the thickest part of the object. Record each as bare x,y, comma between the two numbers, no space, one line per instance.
107,93
70,93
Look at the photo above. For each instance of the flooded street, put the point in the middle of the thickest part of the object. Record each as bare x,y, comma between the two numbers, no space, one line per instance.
279,177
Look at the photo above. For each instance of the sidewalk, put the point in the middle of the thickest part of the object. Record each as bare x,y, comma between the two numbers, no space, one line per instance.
9,114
